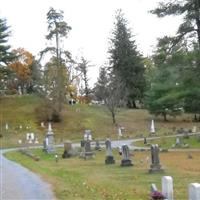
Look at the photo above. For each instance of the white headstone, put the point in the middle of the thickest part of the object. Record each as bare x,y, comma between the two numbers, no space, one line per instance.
167,187
42,124
47,141
177,141
194,129
19,90
85,136
6,126
194,191
119,132
20,126
28,136
152,128
90,137
19,141
32,136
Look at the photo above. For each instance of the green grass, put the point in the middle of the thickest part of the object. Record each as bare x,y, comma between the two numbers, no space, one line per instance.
79,179
192,141
20,110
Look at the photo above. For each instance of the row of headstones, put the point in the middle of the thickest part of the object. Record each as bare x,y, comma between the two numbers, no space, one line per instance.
30,139
7,127
179,131
167,190
86,153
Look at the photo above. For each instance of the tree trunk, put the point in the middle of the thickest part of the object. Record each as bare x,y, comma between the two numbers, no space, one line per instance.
165,117
195,117
113,117
131,104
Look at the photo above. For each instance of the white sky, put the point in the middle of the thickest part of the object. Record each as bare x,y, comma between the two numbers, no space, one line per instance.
91,22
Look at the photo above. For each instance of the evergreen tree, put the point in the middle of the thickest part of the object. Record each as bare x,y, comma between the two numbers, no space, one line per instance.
126,62
5,54
190,28
189,31
165,95
100,88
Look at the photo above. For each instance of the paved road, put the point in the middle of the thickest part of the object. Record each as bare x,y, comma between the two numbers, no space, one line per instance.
19,183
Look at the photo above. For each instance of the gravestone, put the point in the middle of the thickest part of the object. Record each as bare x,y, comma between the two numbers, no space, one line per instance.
155,161
36,141
49,140
125,157
194,129
32,136
82,153
28,136
153,187
167,187
6,126
152,127
97,146
194,191
68,151
19,90
86,150
145,140
178,142
88,135
109,156
42,125
82,143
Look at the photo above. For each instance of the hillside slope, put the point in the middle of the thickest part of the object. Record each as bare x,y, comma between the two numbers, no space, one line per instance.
19,111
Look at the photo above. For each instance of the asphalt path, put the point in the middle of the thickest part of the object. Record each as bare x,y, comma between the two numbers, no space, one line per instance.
19,183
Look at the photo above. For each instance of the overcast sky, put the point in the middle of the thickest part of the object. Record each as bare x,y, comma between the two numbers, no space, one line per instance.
91,22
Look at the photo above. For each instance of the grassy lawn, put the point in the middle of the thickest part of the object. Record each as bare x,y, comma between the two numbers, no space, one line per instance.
192,142
79,179
20,110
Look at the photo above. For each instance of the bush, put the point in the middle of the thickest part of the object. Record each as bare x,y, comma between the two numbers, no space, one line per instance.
47,112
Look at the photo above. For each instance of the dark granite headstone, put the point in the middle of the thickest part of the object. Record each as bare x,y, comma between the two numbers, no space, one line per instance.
97,146
86,150
109,157
68,151
125,157
155,161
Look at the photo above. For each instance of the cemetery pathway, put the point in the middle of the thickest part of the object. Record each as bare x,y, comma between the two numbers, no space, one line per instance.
19,183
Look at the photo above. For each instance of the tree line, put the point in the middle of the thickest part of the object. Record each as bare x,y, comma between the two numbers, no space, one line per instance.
165,83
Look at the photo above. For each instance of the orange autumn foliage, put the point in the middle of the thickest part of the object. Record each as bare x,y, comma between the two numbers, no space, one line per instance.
21,65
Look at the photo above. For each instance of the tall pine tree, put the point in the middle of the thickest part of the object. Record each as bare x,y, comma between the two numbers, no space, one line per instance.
5,54
126,62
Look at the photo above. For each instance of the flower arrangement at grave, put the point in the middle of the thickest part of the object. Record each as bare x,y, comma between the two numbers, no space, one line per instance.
156,195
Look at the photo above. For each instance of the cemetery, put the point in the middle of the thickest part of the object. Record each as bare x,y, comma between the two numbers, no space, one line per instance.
86,167
122,123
